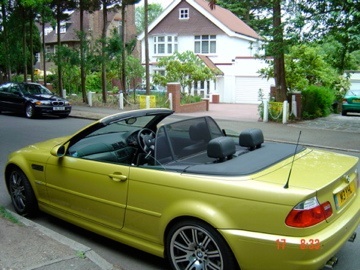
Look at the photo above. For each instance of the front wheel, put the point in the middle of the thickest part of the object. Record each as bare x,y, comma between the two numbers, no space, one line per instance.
22,194
195,245
30,111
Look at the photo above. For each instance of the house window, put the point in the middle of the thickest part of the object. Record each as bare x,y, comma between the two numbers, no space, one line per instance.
63,27
165,44
37,57
183,13
49,52
205,44
48,30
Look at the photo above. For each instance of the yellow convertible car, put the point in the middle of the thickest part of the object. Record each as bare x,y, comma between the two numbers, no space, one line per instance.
185,191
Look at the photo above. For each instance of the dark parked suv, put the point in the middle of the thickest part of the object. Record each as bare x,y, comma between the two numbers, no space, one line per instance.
32,99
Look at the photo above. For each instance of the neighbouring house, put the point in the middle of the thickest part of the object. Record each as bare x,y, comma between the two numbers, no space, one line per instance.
220,39
93,25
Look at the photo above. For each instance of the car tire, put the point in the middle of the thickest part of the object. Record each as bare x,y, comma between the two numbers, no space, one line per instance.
343,113
22,195
189,244
30,111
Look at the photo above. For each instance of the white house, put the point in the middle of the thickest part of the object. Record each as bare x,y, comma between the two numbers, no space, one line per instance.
216,35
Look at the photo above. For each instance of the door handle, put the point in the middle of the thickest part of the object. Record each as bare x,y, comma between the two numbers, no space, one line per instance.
118,177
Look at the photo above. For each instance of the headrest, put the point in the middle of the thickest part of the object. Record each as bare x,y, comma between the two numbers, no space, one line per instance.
221,147
199,132
251,138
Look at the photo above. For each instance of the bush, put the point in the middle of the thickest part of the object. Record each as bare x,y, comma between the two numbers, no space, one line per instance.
317,102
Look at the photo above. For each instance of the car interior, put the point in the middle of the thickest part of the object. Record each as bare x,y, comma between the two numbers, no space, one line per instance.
195,145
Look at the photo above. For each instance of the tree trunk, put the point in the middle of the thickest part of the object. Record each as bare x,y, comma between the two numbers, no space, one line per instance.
5,32
31,45
278,53
24,43
123,53
103,63
146,24
44,52
60,83
82,54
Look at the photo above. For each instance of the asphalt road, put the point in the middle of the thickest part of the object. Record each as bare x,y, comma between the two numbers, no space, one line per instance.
16,132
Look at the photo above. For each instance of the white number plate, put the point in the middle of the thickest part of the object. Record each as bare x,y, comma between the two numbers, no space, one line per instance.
59,108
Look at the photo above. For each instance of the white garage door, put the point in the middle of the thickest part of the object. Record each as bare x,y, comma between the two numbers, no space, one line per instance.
247,89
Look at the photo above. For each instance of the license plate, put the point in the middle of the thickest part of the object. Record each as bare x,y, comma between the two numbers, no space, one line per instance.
59,108
342,196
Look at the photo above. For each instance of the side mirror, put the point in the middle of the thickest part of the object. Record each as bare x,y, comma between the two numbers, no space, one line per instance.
58,151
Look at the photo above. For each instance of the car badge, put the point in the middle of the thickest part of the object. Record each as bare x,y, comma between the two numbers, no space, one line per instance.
347,177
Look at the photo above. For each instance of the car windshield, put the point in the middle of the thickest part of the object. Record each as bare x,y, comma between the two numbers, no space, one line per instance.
126,125
35,89
353,92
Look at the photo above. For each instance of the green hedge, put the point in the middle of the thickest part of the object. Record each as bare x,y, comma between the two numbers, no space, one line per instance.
317,102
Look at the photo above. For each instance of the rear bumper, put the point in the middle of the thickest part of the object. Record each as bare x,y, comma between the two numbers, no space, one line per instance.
255,250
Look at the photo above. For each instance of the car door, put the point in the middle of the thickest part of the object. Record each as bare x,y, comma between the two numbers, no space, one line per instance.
94,191
11,98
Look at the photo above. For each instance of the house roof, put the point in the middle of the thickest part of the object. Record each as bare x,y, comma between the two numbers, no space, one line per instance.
210,64
224,19
73,26
229,19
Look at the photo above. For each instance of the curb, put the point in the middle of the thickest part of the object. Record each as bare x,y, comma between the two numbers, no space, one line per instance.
77,247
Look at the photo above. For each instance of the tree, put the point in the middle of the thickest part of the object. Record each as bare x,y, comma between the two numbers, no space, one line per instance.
305,66
124,4
59,7
276,45
153,10
185,68
331,18
255,13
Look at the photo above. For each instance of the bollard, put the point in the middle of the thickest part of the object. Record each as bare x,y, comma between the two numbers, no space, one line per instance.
121,101
266,111
170,101
89,94
293,105
64,93
285,110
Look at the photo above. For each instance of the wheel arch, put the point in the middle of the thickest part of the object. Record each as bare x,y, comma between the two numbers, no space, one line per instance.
10,167
180,219
200,211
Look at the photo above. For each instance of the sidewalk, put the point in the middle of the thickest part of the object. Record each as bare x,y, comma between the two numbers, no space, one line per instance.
26,245
30,246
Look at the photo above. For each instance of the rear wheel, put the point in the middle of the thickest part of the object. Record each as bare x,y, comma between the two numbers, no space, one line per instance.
30,111
195,245
22,194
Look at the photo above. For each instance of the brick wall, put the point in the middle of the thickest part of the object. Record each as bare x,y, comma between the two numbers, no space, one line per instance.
175,90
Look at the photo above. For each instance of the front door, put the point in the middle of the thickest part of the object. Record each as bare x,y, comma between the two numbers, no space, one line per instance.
94,190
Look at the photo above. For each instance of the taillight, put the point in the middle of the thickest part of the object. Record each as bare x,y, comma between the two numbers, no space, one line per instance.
308,213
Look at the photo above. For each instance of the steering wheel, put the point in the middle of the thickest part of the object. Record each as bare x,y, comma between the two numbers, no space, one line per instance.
146,139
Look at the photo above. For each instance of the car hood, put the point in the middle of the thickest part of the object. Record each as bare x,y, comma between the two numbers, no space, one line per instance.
310,169
45,145
44,97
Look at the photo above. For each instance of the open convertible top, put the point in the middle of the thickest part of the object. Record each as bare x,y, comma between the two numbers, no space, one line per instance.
198,145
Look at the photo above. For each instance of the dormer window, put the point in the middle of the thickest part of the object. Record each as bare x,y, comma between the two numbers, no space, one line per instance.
184,14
